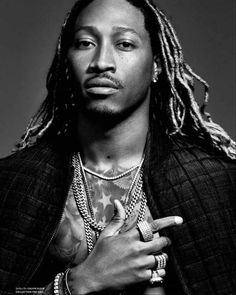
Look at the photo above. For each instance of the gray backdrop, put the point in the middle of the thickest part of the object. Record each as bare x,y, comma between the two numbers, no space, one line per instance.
29,29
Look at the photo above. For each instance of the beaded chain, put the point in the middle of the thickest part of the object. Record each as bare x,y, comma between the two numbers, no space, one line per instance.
81,194
60,285
57,283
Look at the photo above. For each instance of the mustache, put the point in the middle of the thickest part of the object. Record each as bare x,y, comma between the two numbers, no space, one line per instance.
116,81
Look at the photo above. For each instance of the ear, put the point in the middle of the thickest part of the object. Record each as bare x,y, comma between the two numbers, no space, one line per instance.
157,64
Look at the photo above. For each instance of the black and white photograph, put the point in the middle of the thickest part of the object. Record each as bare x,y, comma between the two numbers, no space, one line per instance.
118,151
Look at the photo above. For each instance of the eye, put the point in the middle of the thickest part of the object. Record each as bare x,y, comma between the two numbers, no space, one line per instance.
126,45
83,44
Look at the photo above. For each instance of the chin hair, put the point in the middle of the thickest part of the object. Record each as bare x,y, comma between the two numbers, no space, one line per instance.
106,115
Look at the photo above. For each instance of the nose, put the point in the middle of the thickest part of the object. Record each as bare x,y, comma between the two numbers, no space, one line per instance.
103,59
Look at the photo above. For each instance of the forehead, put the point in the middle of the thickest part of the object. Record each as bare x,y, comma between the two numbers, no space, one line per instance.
105,14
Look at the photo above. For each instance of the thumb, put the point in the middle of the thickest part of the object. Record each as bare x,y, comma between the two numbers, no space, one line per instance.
116,222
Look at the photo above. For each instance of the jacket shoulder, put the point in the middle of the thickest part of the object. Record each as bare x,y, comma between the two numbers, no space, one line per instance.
197,162
33,157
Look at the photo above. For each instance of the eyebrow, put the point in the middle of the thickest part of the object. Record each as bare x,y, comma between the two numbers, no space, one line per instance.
117,29
124,30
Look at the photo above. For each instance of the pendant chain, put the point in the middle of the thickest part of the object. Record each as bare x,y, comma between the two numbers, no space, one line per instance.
80,190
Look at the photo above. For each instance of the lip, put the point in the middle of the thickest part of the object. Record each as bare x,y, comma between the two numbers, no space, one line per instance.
100,90
101,86
100,82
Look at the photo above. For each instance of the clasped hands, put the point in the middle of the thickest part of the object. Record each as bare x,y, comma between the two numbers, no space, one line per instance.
120,259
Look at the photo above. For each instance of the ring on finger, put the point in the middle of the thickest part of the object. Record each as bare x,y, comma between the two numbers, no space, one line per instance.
145,231
155,278
160,260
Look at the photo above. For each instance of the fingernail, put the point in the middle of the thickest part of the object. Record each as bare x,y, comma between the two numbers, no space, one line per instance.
178,220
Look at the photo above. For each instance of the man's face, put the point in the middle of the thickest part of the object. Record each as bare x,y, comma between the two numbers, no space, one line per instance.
111,57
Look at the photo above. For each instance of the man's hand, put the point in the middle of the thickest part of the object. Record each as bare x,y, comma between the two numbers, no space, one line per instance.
119,259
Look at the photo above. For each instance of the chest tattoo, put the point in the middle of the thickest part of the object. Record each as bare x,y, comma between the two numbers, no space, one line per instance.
69,244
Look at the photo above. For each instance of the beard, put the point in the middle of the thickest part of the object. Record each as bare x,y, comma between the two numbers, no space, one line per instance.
104,114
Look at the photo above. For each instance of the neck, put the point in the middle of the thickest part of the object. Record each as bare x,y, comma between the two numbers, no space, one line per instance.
120,145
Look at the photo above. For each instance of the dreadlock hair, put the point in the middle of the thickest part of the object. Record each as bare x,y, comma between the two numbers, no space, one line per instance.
176,109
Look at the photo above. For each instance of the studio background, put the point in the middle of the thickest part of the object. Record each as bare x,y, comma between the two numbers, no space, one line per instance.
29,31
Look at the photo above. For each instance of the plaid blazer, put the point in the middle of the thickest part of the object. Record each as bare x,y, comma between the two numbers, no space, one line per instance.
180,179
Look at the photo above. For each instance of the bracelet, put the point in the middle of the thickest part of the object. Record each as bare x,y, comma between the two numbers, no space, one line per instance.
65,280
56,285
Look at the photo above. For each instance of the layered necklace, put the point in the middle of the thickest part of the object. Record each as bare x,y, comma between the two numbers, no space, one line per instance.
83,200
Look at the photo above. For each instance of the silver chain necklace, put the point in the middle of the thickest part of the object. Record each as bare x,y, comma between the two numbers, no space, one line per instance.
82,196
111,178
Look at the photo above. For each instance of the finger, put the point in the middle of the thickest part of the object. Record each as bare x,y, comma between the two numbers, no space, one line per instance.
161,223
156,263
147,275
116,222
156,245
150,263
161,272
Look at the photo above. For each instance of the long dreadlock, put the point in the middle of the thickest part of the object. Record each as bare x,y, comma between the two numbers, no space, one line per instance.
175,105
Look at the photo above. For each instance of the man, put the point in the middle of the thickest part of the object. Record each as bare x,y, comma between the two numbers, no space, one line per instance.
119,140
